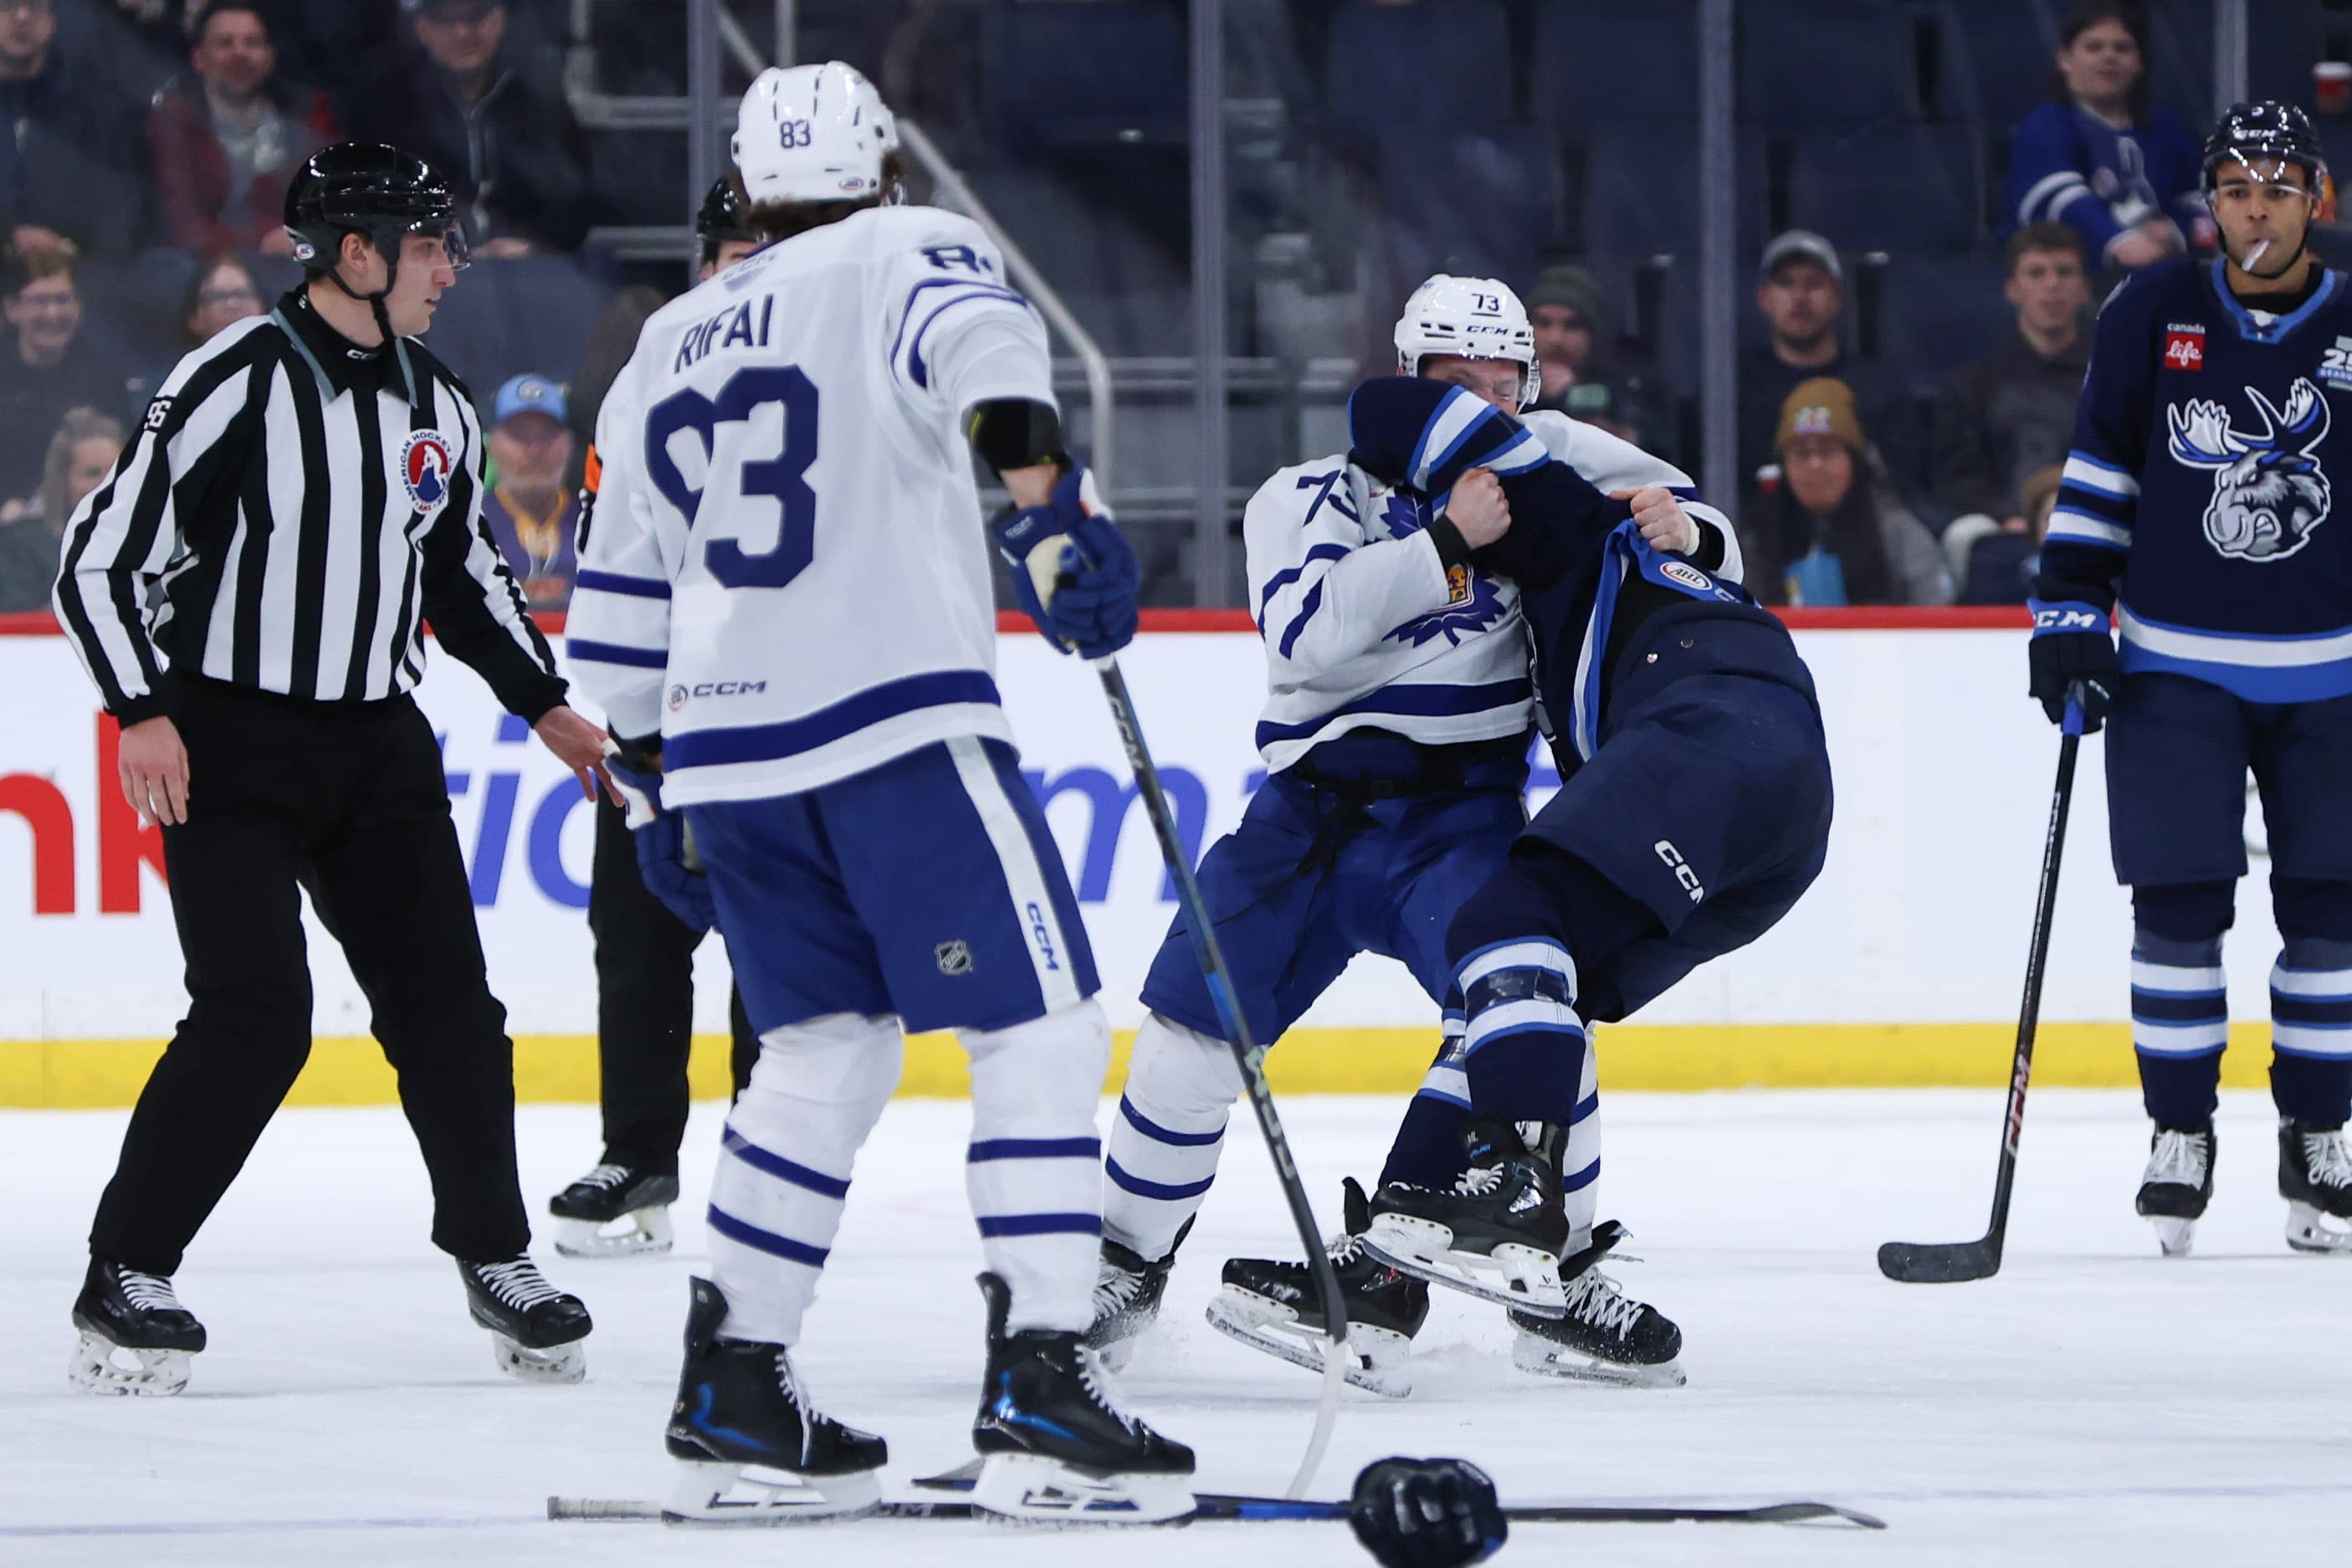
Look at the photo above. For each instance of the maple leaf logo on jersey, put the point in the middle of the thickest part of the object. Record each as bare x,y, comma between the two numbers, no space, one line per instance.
1474,602
2269,491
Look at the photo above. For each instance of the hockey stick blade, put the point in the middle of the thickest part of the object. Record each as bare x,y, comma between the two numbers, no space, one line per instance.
1939,1262
1230,1507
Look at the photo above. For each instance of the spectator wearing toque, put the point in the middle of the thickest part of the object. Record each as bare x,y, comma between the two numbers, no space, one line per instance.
532,512
1828,529
67,161
1995,566
505,136
2127,177
1577,351
2011,413
49,363
80,455
223,140
1800,292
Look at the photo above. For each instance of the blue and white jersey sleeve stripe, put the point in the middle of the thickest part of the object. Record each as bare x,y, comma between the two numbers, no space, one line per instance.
616,639
1324,590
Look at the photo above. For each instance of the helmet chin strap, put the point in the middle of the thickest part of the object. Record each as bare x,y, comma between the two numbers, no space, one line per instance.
375,301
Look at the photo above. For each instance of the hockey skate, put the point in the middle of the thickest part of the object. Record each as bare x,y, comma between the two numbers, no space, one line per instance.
1605,1336
752,1449
1502,1217
1126,1297
136,1338
2316,1179
1272,1306
614,1212
2178,1183
1055,1446
535,1328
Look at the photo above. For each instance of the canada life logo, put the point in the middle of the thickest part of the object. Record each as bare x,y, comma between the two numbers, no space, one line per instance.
2184,348
426,466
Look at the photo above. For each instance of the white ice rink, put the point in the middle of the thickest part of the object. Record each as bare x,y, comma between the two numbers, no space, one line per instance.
2093,1404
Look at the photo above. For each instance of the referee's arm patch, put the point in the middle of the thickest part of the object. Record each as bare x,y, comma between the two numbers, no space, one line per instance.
159,413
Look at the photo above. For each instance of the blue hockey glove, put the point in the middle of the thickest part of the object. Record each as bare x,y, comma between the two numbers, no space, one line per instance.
1073,572
1426,1513
2070,644
666,856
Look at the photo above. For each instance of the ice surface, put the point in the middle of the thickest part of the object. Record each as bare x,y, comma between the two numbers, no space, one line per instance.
2093,1405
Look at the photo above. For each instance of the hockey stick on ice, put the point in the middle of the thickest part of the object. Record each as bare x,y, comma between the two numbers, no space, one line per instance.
1948,1262
1217,1506
1249,1054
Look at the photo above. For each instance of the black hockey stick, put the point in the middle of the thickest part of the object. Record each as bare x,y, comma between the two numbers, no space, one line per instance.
1218,1507
1247,1053
1950,1262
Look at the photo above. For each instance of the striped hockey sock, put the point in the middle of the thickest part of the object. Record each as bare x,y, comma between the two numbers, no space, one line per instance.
2180,1022
1166,1137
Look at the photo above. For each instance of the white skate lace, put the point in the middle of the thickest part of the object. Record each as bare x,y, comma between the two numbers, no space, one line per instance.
2324,1155
606,1178
788,1380
1593,1297
149,1292
1101,1388
1478,1181
1116,1288
2178,1158
519,1284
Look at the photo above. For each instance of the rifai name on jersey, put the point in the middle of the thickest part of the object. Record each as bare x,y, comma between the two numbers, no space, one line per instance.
727,329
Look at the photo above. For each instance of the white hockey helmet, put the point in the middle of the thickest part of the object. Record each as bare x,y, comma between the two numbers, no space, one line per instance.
1477,318
812,133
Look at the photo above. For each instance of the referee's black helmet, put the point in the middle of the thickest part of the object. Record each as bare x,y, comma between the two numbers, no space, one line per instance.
723,216
2251,132
371,189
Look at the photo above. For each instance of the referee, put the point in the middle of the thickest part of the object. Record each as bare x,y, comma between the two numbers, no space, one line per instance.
248,590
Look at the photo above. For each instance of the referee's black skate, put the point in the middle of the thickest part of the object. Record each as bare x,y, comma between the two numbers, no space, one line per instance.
751,1447
614,1211
1128,1290
1605,1336
535,1328
2316,1179
1272,1305
2177,1184
1055,1446
136,1338
1496,1233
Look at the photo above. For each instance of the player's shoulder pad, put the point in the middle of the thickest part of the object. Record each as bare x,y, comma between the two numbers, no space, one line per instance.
1291,493
933,239
2153,288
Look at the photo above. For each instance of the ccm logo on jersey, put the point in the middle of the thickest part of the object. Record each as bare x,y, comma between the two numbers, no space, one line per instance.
1682,868
679,695
1043,933
2184,348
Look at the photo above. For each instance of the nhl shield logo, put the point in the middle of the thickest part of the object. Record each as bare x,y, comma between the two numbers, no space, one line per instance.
426,467
954,957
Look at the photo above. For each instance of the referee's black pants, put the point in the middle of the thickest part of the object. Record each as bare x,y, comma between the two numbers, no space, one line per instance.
645,1008
346,800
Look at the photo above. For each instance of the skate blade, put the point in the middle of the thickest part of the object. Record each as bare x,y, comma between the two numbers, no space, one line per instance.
1529,1278
2175,1235
1376,1357
1534,1354
711,1491
100,1366
640,1233
2308,1230
1030,1488
552,1363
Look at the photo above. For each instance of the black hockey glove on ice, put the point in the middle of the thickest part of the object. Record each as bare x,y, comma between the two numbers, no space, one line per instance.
1426,1513
2071,643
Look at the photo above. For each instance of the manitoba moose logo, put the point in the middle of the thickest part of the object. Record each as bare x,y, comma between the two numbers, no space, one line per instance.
2269,491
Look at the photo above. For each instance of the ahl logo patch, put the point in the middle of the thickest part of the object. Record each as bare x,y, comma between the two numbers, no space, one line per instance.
2184,348
425,466
676,697
1688,575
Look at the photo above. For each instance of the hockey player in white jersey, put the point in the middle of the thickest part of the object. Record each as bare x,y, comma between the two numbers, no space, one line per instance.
1395,737
785,595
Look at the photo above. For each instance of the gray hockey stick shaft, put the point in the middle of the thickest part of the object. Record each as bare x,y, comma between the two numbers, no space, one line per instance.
1249,1055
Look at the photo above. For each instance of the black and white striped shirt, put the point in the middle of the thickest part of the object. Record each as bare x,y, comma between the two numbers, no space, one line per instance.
291,511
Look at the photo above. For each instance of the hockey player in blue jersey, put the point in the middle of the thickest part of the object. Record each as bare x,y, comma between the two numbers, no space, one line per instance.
1395,738
1693,811
2198,506
786,593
